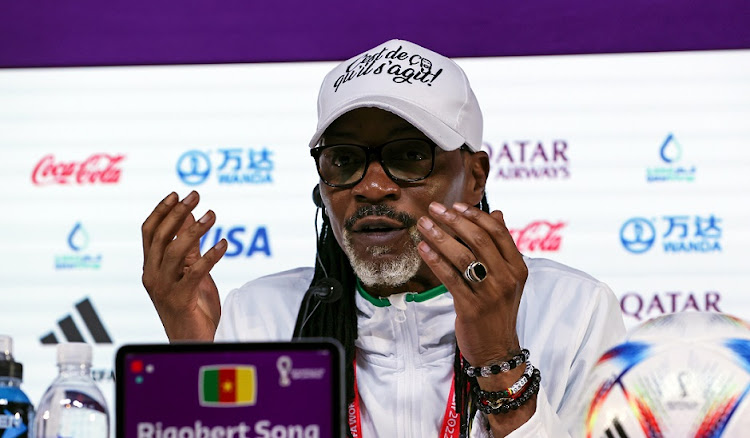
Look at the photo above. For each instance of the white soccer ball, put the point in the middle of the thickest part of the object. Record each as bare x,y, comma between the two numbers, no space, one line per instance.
684,375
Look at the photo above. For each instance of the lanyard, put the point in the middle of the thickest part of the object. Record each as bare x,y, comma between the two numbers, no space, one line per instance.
451,423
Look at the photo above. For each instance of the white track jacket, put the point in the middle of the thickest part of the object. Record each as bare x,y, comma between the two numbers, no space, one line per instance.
566,319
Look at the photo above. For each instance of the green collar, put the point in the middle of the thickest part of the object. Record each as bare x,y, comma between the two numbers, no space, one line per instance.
416,297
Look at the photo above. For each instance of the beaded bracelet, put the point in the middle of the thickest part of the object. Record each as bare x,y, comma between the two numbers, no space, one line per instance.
504,406
497,368
495,404
509,392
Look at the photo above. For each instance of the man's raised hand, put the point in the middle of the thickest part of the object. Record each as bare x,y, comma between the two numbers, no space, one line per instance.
175,274
486,307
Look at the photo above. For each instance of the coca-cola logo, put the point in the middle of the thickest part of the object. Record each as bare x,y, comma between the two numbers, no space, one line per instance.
538,236
98,168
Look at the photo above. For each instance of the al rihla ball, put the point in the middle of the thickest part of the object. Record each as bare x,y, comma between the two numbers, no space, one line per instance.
683,375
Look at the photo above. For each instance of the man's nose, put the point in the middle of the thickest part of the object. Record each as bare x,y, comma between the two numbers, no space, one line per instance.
376,185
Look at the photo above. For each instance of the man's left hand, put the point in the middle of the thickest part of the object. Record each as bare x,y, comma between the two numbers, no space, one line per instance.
486,311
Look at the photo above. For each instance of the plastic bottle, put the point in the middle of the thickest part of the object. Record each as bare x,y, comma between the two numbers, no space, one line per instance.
16,411
73,405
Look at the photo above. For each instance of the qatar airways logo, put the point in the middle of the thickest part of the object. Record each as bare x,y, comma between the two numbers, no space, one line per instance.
645,305
96,169
529,159
538,236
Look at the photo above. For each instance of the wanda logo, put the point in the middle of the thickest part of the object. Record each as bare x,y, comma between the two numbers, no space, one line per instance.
538,236
98,168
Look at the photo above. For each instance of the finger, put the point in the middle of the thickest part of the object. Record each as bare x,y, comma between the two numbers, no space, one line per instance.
189,220
187,238
195,252
494,225
195,273
154,219
460,258
464,298
166,230
457,254
505,241
481,246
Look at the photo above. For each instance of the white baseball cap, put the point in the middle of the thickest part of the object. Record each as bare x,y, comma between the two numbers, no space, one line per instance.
424,88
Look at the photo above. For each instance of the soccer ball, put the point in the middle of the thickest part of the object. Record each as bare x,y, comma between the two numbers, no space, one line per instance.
683,375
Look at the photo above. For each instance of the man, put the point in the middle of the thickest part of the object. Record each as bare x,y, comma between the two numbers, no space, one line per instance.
436,298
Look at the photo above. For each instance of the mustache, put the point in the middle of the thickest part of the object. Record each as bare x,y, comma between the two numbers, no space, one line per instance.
380,210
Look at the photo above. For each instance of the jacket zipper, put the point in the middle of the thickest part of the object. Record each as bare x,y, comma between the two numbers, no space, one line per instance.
406,327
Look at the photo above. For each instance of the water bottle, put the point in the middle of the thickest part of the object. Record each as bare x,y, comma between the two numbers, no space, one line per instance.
16,411
73,406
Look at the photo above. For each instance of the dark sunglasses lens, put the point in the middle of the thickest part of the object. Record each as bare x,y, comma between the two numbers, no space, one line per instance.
341,165
408,160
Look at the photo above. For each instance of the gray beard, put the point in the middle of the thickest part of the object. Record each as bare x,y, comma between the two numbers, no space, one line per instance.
390,273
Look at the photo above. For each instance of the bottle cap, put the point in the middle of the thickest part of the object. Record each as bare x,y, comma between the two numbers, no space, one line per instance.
74,353
6,347
8,367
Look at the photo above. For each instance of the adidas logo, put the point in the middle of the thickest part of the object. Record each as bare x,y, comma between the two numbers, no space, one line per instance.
70,329
610,433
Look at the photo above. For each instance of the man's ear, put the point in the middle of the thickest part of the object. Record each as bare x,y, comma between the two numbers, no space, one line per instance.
478,172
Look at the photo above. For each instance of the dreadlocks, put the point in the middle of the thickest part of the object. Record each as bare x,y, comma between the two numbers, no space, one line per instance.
338,319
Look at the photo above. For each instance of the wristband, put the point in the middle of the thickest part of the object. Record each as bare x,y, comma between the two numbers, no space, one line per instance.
497,368
513,389
503,406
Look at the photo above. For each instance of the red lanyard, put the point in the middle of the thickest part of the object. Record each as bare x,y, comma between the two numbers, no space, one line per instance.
451,423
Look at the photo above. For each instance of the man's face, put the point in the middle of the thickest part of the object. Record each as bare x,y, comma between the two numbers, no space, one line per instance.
375,221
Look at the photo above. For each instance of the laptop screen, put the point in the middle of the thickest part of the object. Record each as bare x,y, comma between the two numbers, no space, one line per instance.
238,390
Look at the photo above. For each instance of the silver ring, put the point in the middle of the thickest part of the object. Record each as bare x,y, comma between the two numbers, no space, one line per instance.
476,272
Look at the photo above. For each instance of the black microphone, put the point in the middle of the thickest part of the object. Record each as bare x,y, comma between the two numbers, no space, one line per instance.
325,290
317,200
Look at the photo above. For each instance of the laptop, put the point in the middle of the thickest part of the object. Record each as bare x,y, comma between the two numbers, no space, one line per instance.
223,390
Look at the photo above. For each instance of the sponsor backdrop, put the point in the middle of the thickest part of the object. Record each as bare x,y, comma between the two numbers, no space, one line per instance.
634,168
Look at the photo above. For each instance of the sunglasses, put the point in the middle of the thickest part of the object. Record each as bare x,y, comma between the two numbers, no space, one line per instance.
403,160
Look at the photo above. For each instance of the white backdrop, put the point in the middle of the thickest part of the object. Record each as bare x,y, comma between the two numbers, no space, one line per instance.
574,142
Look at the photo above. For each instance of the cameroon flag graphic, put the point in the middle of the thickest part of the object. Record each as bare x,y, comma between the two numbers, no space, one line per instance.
227,385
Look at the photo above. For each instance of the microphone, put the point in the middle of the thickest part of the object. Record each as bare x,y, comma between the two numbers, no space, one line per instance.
325,290
317,200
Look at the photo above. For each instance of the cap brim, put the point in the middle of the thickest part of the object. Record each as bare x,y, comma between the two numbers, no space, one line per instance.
443,135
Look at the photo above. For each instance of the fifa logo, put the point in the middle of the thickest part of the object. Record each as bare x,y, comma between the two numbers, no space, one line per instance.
284,365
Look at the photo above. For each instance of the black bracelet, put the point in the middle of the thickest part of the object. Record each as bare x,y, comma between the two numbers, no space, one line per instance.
502,367
512,390
503,406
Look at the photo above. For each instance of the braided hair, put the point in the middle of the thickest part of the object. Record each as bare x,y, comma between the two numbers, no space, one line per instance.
338,319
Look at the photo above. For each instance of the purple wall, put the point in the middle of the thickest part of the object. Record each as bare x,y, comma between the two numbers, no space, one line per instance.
93,32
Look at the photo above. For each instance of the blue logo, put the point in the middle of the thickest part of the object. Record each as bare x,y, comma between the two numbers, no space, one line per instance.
670,153
677,234
78,241
671,150
236,166
12,423
241,241
78,238
637,235
193,167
